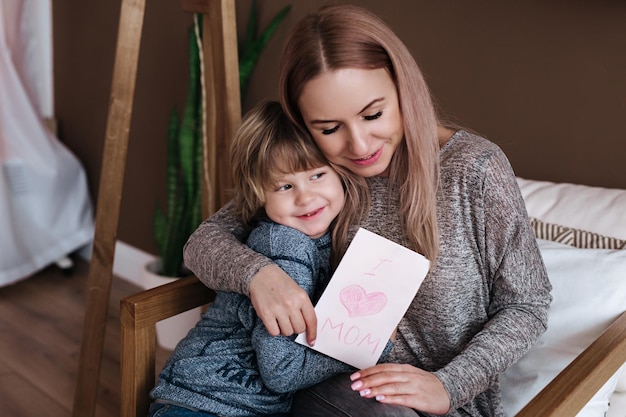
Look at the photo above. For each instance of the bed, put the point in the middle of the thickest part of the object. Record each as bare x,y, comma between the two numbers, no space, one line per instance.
581,231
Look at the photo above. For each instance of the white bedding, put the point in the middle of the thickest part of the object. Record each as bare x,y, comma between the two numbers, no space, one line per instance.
592,279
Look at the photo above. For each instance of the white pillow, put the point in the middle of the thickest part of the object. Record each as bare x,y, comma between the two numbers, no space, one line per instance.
596,209
589,293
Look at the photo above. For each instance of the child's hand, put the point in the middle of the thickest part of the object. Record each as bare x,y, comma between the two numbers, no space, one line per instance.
282,305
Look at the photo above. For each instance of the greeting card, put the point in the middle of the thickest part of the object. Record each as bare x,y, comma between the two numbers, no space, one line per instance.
367,296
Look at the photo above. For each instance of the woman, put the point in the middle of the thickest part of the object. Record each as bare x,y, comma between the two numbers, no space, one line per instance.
450,195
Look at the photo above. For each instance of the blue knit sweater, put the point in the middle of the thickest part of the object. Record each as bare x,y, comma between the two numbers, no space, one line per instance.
228,364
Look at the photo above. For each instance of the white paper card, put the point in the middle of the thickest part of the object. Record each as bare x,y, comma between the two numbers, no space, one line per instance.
367,296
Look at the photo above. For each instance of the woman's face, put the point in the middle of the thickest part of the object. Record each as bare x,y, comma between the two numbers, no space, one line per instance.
354,117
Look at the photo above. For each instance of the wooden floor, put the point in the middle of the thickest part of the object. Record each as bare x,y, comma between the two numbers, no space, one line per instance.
41,321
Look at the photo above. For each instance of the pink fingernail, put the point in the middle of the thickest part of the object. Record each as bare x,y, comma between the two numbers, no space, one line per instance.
354,376
380,397
356,385
364,392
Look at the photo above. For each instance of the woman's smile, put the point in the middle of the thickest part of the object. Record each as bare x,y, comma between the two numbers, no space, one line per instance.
370,159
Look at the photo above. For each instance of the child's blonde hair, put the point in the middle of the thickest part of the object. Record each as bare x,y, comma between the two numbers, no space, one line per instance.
266,146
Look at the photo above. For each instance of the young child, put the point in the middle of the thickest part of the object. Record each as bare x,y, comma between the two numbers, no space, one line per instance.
229,365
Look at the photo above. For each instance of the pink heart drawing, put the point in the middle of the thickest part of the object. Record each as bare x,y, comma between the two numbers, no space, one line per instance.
359,303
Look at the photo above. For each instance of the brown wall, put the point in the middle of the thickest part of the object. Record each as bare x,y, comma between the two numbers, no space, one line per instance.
85,39
544,80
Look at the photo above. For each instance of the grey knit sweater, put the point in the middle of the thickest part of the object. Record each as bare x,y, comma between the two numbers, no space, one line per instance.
483,304
228,364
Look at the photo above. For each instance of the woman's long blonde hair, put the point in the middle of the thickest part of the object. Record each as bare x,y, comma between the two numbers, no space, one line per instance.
347,36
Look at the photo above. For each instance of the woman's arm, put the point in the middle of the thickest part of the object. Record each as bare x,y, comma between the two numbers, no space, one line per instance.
282,305
216,255
515,277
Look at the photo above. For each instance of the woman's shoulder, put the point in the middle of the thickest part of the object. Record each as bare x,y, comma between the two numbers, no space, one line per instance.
468,157
470,149
463,142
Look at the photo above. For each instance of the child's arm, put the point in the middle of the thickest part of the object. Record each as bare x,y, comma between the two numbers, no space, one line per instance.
285,365
216,255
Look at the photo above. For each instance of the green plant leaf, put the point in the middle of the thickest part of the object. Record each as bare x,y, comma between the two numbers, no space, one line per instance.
160,229
189,130
253,49
173,226
251,29
173,165
183,205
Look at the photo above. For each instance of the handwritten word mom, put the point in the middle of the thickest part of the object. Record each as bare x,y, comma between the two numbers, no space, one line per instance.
351,336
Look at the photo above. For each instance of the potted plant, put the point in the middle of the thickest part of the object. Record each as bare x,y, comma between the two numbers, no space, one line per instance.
182,212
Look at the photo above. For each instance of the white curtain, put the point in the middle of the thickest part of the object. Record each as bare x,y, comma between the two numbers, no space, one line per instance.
45,207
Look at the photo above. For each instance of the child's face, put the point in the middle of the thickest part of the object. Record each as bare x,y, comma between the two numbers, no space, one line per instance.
307,201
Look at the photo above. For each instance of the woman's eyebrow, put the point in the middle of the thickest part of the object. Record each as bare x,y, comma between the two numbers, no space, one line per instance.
320,122
367,106
371,103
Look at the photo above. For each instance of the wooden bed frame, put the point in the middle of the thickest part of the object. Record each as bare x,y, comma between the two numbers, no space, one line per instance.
563,397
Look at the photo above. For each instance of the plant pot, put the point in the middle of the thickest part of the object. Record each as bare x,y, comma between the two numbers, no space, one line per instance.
171,330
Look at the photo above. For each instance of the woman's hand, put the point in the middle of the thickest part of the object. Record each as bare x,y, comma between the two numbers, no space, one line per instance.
282,305
402,385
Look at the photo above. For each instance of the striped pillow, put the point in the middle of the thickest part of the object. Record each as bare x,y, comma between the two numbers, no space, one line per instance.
574,237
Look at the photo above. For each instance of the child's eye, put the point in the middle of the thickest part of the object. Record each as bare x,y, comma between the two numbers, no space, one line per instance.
318,175
373,116
284,187
330,131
